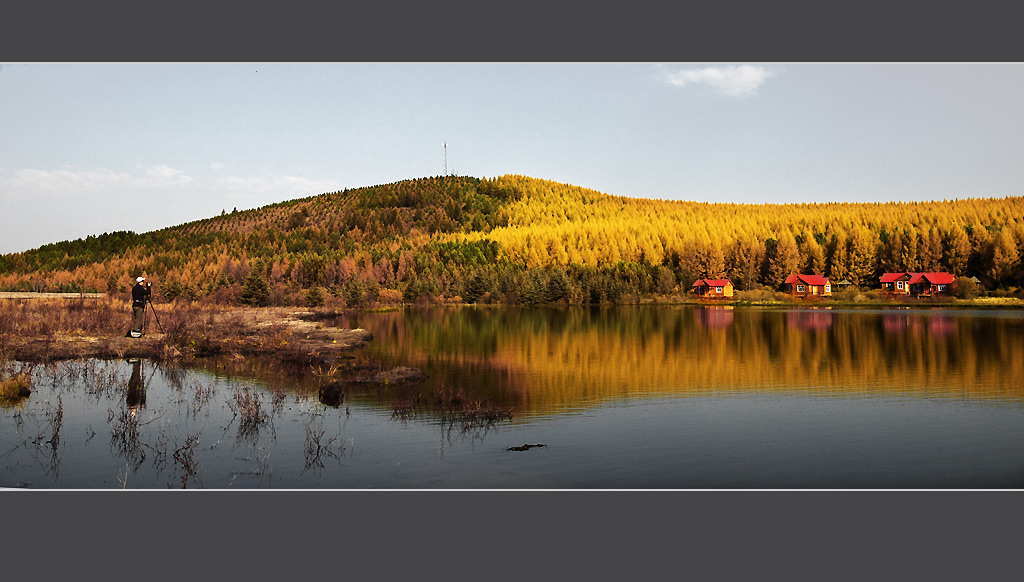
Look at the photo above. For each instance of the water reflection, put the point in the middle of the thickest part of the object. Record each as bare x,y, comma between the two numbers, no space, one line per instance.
135,397
541,361
814,320
660,397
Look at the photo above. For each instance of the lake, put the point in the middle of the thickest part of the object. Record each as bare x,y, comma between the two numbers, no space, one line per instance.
644,397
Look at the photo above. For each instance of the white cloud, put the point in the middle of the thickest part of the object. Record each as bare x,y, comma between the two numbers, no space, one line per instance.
158,176
74,181
218,166
67,180
734,80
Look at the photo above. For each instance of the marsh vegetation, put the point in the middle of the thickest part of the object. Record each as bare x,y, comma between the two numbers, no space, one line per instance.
674,397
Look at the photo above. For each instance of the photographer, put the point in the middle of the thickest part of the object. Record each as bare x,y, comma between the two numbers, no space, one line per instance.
140,295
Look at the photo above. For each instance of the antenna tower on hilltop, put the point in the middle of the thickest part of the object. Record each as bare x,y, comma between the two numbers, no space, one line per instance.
445,158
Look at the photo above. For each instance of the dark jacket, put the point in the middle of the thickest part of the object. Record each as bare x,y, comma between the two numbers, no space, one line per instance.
140,294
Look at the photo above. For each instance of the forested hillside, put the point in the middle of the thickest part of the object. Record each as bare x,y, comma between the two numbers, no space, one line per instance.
515,239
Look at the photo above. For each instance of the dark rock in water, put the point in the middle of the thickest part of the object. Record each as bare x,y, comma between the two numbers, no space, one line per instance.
332,394
401,374
398,375
524,447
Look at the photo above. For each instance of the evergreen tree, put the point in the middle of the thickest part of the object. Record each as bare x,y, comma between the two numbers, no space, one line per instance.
314,297
255,290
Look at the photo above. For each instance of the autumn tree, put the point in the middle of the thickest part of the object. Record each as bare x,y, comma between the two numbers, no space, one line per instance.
837,258
1005,258
783,261
862,256
957,250
743,262
812,256
929,254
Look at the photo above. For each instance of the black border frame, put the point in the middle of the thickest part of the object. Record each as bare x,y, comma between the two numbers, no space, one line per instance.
833,535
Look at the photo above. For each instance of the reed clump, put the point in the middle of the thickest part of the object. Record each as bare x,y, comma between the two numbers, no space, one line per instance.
15,389
453,407
248,407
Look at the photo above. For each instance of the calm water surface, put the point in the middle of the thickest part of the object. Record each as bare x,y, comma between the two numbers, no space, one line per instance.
628,397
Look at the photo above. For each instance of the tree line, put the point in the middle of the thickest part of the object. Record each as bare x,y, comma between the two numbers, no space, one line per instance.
515,239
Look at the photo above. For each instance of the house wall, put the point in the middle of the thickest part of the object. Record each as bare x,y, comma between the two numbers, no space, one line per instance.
922,289
894,289
710,292
809,290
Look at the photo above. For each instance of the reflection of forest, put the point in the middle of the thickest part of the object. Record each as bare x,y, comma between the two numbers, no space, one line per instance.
541,360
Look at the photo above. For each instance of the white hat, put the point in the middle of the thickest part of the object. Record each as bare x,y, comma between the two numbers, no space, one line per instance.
140,279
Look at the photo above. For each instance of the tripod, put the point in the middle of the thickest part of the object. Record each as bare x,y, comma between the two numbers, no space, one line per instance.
150,302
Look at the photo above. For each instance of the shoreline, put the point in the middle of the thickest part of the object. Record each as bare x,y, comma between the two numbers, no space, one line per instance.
300,335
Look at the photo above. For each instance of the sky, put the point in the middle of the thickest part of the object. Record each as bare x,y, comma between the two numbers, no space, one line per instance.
92,148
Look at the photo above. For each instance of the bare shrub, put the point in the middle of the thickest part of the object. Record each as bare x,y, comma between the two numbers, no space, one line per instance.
316,448
248,407
125,436
184,456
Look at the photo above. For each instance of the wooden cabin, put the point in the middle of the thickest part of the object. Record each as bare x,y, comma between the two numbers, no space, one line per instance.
918,284
929,284
896,283
804,286
713,288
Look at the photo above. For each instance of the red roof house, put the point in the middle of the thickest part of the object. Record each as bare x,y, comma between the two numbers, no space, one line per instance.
713,288
808,286
924,284
896,283
918,284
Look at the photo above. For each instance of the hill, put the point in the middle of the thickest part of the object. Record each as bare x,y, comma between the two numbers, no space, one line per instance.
517,239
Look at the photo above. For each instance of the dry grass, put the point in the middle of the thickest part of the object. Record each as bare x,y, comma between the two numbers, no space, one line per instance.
997,301
15,389
33,317
54,329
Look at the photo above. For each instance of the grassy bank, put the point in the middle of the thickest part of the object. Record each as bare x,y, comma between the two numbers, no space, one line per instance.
55,329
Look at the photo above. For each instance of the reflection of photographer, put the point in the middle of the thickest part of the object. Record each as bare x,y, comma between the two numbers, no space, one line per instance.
140,296
135,399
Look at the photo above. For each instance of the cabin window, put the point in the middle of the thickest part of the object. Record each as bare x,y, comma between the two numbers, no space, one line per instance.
828,288
718,289
799,288
899,285
942,287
